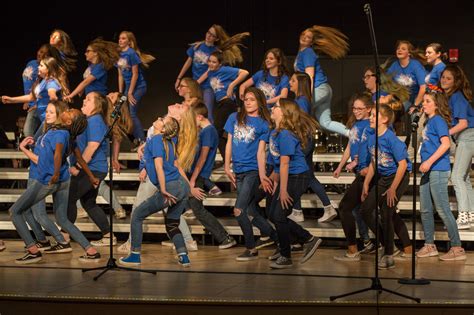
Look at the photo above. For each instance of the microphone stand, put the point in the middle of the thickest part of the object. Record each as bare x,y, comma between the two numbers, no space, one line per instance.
111,263
376,284
413,280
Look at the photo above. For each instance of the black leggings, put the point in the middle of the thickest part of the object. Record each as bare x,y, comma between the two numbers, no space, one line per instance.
222,110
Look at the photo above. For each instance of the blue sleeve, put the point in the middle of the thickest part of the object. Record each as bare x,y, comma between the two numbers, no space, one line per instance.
287,143
206,138
98,71
460,106
393,67
420,73
257,77
399,149
441,128
52,84
229,125
134,58
309,59
190,52
285,82
231,72
157,147
30,74
95,130
264,132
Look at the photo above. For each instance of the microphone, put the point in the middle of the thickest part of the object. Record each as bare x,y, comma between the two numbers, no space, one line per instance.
416,119
118,106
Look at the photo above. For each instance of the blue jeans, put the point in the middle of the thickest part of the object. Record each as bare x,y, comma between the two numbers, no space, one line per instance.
178,188
209,99
137,125
321,108
363,229
247,185
460,176
434,189
35,193
32,123
317,188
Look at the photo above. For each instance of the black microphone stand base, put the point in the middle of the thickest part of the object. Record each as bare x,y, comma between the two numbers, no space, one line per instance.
420,281
111,265
376,286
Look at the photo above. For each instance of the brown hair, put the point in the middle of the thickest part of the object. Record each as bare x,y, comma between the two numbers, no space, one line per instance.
461,83
107,52
364,97
304,85
416,53
281,59
442,106
329,41
201,109
262,106
146,59
387,112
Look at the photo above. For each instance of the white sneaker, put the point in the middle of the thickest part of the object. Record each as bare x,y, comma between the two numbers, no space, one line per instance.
124,248
296,216
189,215
192,246
329,214
105,241
167,243
81,213
463,221
471,218
120,213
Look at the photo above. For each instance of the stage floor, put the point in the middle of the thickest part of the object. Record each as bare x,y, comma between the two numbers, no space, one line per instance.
215,278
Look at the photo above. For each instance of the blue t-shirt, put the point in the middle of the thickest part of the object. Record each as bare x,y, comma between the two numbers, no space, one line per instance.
95,132
412,76
33,173
220,80
30,74
461,109
155,148
391,151
381,93
364,152
99,85
308,58
435,75
245,141
303,103
208,137
42,96
286,144
355,138
128,59
45,148
434,130
200,55
268,84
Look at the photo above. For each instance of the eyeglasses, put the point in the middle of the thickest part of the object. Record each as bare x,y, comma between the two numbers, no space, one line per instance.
367,76
212,35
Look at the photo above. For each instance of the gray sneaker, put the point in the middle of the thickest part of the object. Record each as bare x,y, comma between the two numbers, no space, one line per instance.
228,243
368,247
281,263
386,262
310,248
247,256
348,257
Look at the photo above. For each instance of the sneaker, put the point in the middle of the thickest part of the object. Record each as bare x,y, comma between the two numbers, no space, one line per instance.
296,247
296,215
29,258
215,191
310,248
104,241
228,243
402,256
191,246
124,248
189,215
43,246
133,259
380,250
90,258
167,243
281,263
81,213
329,214
348,257
263,242
276,254
120,213
396,251
463,221
59,249
471,218
428,250
454,254
386,262
183,260
368,247
2,246
247,256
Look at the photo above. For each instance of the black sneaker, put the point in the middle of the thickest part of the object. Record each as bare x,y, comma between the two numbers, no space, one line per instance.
310,248
247,256
276,254
259,244
29,258
228,243
59,249
281,263
41,246
90,258
296,247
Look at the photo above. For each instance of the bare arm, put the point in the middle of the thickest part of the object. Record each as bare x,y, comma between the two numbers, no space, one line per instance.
199,165
240,77
120,81
203,77
90,150
52,94
227,159
421,92
285,199
29,154
462,124
243,86
17,99
81,86
310,72
283,94
186,66
344,159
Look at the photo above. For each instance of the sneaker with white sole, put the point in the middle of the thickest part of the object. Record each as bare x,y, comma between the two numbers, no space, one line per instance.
310,248
368,247
133,259
183,260
471,218
428,250
348,257
296,215
386,262
192,246
81,213
228,243
29,258
59,249
281,262
189,215
247,255
124,248
42,246
457,253
215,191
264,242
463,221
329,214
87,258
167,243
120,213
104,241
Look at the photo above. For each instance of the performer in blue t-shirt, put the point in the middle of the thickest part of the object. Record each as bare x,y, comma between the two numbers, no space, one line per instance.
272,80
436,169
334,44
434,57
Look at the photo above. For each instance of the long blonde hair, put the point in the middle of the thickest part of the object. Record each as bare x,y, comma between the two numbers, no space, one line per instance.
297,121
187,139
170,130
107,52
55,72
329,41
132,40
124,123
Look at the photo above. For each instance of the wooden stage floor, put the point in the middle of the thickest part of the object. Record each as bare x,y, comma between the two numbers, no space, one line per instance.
216,279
